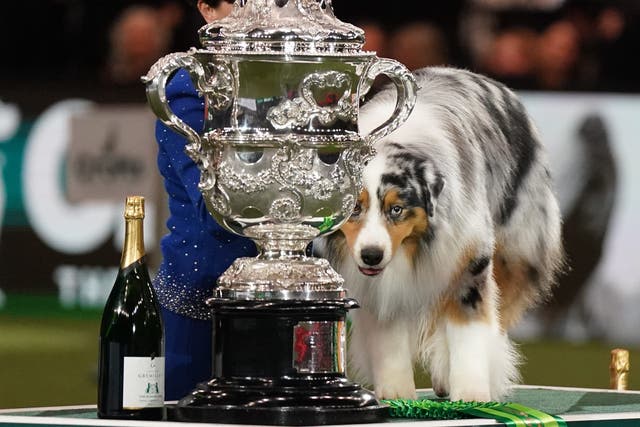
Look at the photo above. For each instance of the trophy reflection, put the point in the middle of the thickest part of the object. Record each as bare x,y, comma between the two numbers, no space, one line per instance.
281,162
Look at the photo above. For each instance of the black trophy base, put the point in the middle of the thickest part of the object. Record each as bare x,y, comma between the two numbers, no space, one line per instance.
286,416
279,363
318,401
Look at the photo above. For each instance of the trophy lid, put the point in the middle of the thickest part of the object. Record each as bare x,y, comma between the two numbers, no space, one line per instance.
289,27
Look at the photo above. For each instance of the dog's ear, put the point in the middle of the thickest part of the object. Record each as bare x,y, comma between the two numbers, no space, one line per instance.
435,188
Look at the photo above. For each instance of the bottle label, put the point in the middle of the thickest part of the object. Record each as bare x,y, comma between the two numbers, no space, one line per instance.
143,382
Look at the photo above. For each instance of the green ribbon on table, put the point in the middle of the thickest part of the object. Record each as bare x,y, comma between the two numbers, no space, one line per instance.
511,414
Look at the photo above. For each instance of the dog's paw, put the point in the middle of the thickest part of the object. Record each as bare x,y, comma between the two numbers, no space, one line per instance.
396,391
397,384
440,389
471,394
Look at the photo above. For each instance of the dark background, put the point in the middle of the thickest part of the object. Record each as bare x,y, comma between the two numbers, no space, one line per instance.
60,47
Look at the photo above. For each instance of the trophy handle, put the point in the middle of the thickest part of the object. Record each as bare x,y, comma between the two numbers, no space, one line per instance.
407,88
156,82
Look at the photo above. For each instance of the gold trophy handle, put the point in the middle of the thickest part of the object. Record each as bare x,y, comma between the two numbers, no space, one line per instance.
156,83
407,89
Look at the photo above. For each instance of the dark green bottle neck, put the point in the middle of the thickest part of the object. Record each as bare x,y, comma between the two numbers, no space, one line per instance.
133,249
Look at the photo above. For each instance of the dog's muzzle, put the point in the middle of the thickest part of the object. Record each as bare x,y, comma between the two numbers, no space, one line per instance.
371,256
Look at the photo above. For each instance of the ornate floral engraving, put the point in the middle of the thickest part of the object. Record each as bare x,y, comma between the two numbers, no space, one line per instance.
207,179
299,111
355,161
252,276
244,182
285,209
312,24
220,202
348,203
220,87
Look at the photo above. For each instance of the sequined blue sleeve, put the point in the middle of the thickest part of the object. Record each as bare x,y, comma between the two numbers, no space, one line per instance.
185,103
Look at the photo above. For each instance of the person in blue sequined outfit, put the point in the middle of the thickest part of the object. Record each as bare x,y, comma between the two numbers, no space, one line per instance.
197,249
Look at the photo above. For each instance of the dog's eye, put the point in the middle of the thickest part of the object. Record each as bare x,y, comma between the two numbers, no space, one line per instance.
396,211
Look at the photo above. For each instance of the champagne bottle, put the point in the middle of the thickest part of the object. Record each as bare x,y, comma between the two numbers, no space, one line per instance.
131,360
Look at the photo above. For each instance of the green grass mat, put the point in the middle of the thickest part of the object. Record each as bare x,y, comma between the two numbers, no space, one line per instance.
573,402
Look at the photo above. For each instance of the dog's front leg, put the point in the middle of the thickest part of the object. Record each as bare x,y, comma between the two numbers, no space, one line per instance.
390,354
469,360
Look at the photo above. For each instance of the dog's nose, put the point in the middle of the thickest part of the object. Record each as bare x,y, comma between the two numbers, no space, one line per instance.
371,255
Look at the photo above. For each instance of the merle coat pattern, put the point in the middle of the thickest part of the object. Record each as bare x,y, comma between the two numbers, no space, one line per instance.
455,235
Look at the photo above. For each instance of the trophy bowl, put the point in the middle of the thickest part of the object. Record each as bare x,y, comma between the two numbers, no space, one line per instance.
280,157
281,161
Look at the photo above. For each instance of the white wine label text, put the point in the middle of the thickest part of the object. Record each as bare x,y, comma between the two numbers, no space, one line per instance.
143,382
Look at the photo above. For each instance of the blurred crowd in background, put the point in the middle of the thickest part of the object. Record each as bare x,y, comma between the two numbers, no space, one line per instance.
578,45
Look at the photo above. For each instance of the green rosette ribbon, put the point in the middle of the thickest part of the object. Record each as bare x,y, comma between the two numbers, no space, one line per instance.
510,414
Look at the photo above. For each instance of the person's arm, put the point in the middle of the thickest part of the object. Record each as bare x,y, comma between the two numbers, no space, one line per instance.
186,104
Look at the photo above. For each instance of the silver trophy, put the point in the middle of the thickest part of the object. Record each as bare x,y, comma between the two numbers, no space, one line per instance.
281,162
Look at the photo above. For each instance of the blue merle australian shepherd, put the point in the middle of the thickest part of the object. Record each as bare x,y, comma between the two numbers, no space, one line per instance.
456,233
